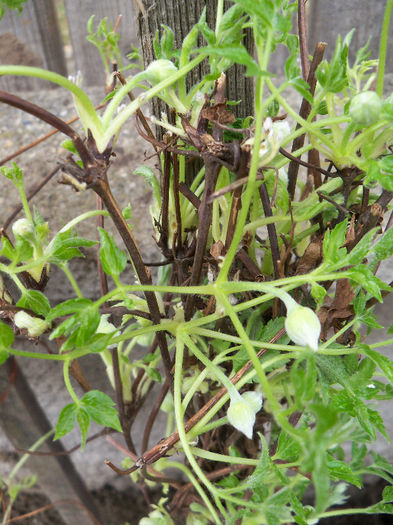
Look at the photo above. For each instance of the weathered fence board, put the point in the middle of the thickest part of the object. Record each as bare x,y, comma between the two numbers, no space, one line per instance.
31,38
86,56
329,18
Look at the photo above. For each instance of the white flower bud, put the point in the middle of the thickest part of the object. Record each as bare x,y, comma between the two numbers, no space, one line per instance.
23,228
159,70
242,410
303,326
34,326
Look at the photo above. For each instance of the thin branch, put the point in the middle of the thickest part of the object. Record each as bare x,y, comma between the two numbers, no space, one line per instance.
303,43
305,109
271,229
50,119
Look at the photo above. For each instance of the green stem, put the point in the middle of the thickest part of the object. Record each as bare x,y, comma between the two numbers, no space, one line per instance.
74,284
383,47
25,457
179,412
275,405
246,199
210,366
67,381
231,460
36,72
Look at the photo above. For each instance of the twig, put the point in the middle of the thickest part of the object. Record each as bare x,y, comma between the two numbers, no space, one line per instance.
305,109
303,43
271,229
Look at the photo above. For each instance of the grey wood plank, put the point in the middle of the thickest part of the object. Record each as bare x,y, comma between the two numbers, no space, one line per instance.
31,38
329,18
86,56
24,422
180,17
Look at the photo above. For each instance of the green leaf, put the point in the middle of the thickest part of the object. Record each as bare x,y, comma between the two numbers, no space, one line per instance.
339,470
302,87
238,54
83,419
65,246
372,284
318,293
151,179
153,374
383,362
113,259
288,449
69,307
387,494
66,420
14,174
333,241
383,249
36,301
3,356
263,11
362,248
89,319
100,408
6,336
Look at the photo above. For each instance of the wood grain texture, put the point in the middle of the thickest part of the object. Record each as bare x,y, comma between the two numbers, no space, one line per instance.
329,18
31,38
180,17
86,56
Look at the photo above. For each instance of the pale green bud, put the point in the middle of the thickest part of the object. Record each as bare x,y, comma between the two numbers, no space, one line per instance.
34,326
159,70
365,108
156,517
23,228
303,326
242,410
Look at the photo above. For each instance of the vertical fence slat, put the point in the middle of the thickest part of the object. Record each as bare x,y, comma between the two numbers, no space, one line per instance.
31,38
86,56
329,18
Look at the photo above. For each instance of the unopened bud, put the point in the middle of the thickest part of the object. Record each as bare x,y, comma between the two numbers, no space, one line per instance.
242,410
34,326
159,70
365,108
23,228
303,326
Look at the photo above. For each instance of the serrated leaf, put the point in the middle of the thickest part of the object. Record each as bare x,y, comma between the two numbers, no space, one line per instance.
6,335
383,249
13,173
339,470
36,301
362,248
66,420
100,408
69,307
113,259
65,246
238,54
153,374
383,362
262,11
288,448
302,87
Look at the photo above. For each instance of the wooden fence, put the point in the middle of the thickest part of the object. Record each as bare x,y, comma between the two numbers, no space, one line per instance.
34,37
